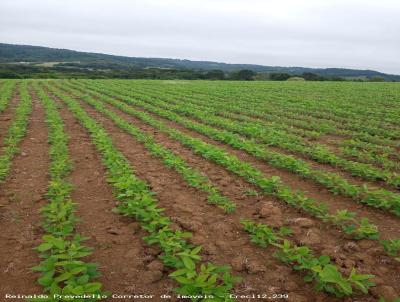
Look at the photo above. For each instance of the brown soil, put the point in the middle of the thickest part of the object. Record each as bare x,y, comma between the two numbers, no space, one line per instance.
347,175
355,180
234,187
128,265
21,197
330,140
118,249
388,224
261,273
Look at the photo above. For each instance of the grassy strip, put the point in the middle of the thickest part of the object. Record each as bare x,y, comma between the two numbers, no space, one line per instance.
63,271
16,131
137,201
319,269
192,176
270,186
6,93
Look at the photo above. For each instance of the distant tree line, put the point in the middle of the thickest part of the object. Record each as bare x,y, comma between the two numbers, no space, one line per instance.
107,71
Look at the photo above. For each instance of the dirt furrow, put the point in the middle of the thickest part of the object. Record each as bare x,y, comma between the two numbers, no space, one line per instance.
222,237
316,234
234,188
363,254
351,179
322,166
21,197
327,167
388,224
127,265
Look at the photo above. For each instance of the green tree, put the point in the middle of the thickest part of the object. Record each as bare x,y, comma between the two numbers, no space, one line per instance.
377,79
243,75
309,76
215,74
279,76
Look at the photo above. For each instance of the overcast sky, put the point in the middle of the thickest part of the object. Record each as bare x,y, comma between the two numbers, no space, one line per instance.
362,34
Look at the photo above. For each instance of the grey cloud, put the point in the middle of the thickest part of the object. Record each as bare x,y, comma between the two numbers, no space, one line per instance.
332,33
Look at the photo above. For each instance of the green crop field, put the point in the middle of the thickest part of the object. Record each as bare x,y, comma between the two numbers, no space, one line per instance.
200,190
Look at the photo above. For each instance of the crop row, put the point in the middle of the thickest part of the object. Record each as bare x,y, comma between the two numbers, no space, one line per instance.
378,198
6,92
252,106
193,277
337,284
319,269
271,137
269,186
311,109
255,108
369,153
351,105
318,152
343,218
193,177
381,160
273,122
63,271
374,150
16,131
326,107
231,110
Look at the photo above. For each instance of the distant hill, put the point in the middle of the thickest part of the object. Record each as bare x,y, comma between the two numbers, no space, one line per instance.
26,54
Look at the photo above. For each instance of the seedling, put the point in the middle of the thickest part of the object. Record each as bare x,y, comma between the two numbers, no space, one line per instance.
319,269
251,192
